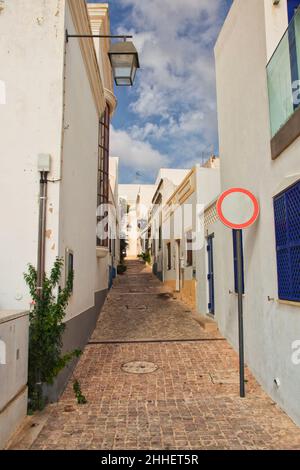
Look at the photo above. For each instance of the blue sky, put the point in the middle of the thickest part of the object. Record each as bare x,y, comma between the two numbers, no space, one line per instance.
168,119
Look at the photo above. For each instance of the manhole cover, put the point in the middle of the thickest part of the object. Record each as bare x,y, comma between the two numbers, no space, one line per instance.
139,367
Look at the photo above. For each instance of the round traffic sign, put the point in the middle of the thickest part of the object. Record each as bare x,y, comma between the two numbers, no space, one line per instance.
237,208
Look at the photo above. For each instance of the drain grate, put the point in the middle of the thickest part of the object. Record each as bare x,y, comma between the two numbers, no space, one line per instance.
139,367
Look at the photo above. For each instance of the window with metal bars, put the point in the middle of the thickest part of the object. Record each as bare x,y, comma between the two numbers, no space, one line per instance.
287,231
103,174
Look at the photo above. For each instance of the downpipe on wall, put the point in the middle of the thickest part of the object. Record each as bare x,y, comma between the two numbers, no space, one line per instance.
42,231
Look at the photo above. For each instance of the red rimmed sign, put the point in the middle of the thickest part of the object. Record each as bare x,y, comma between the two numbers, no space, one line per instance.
238,208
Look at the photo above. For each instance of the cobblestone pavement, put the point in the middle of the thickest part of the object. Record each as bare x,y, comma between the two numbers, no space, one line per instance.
191,401
139,308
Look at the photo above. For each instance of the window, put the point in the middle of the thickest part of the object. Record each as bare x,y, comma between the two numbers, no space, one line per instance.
110,244
159,237
2,353
169,263
153,247
287,231
189,248
235,265
292,7
103,171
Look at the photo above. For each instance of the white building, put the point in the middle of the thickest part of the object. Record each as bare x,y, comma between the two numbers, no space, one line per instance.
167,181
114,225
56,102
183,232
136,201
259,128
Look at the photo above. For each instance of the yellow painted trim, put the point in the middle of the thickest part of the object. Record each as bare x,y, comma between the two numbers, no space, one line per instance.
82,25
289,302
181,186
187,195
179,196
100,24
187,292
111,100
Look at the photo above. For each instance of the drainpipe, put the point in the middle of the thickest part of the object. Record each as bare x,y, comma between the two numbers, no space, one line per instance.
44,168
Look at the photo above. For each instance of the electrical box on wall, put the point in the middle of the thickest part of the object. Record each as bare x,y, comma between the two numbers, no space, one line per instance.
44,162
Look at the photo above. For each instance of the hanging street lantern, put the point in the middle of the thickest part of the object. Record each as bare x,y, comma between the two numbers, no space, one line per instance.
123,57
124,60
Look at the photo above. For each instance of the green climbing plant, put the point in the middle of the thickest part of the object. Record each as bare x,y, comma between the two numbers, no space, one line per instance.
146,257
81,400
45,331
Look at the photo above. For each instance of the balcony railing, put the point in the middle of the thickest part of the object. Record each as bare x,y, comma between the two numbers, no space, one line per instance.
283,72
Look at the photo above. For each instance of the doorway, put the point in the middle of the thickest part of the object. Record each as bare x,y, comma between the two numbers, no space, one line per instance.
210,275
177,264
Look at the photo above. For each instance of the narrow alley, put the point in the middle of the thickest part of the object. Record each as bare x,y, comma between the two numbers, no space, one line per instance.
187,399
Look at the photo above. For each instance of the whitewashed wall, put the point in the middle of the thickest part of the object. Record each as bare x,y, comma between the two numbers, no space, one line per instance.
78,199
207,188
32,56
32,116
244,134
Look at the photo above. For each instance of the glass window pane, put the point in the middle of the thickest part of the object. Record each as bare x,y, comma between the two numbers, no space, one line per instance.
123,81
280,86
122,71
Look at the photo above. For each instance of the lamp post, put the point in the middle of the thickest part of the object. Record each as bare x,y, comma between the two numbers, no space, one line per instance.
123,57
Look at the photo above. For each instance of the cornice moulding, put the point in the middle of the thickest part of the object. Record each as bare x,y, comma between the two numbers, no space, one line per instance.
82,25
111,100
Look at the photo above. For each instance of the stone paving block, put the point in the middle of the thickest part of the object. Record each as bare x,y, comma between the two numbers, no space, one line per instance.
191,402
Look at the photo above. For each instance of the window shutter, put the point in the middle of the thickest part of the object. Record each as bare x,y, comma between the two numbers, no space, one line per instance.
292,7
287,231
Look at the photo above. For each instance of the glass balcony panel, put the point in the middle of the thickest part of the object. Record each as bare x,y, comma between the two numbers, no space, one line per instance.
297,42
283,72
280,86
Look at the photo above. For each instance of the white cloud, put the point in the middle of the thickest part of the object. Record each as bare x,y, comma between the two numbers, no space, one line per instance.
175,92
135,154
150,130
187,123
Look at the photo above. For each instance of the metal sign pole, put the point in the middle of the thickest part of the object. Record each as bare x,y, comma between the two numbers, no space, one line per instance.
240,310
240,211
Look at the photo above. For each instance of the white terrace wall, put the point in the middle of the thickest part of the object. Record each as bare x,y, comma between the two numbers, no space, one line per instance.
31,77
244,134
78,199
52,103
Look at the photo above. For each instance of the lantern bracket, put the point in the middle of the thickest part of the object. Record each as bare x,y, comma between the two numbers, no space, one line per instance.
101,36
